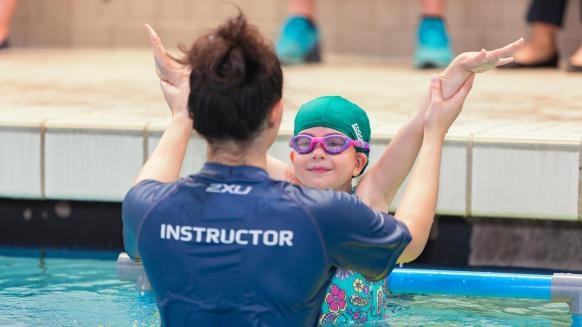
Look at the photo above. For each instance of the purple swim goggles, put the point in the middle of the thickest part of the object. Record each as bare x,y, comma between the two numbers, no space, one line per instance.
332,144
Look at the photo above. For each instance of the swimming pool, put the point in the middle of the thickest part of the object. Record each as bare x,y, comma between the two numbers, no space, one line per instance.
80,288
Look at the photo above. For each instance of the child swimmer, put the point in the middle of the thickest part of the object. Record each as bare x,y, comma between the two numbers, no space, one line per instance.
330,147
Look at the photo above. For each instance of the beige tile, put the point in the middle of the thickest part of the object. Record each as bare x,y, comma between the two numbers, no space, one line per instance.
194,158
92,165
327,12
262,12
482,15
174,34
401,44
204,10
56,10
173,9
525,181
410,13
20,162
49,34
24,11
92,37
512,13
452,199
95,14
332,40
457,15
19,34
452,196
355,14
49,23
140,9
363,41
131,33
550,133
386,16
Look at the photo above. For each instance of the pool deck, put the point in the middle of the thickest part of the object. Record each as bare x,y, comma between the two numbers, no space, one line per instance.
78,124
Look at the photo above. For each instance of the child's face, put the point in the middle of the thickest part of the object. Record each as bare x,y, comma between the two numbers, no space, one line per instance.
322,170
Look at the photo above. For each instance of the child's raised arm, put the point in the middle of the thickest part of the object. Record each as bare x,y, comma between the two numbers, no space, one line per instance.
379,185
453,77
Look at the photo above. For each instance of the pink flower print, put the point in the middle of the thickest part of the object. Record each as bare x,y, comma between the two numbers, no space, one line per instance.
336,299
343,274
360,316
366,289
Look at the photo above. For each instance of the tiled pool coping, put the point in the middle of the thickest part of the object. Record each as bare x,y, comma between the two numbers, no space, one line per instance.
78,125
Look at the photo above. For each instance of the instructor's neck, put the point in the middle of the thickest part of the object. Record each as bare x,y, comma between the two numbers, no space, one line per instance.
228,156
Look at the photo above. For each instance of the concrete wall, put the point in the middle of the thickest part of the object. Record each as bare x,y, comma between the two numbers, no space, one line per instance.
381,28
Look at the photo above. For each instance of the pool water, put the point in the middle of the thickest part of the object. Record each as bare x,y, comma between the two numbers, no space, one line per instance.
57,291
62,288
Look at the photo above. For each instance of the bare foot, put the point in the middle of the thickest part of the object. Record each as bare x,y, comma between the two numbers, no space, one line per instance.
540,46
531,53
576,58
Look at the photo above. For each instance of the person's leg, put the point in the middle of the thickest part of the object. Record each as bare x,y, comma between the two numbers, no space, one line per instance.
575,63
576,60
541,44
304,8
432,8
433,48
299,39
541,49
6,10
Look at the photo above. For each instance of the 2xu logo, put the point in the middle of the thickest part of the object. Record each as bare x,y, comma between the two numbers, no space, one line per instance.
229,188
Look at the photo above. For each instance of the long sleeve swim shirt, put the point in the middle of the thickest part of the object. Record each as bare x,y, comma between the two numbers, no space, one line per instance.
230,246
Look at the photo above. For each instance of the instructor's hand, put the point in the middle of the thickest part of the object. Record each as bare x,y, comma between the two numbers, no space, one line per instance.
442,113
174,76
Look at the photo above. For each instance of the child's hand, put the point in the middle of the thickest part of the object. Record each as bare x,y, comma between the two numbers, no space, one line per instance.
478,62
442,113
174,76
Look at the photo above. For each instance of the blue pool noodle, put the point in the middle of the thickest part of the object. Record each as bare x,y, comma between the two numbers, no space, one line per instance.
467,283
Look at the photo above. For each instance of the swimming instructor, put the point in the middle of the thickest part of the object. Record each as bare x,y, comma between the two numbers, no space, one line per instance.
229,246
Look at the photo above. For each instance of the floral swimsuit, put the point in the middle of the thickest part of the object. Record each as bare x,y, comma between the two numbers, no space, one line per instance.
352,299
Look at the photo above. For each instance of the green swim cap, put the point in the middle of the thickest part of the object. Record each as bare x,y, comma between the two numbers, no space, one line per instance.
337,113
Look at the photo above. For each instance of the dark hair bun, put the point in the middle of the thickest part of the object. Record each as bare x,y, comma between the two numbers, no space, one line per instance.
229,68
236,79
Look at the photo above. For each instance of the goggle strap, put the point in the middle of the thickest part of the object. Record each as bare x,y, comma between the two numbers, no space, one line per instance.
363,145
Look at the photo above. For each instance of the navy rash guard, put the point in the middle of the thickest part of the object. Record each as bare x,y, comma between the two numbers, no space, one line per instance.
230,246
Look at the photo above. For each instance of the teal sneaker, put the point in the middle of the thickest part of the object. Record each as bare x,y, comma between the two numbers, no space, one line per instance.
433,49
298,42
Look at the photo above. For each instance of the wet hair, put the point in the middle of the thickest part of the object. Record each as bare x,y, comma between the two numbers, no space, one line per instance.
236,80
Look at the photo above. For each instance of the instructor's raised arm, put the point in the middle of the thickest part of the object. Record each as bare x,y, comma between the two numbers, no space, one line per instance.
166,161
418,206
